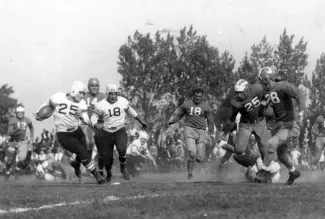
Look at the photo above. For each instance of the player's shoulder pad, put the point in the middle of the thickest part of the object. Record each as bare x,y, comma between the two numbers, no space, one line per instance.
235,103
13,120
257,88
27,120
122,100
101,96
58,98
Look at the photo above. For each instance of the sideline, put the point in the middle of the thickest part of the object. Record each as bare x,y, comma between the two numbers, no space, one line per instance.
107,199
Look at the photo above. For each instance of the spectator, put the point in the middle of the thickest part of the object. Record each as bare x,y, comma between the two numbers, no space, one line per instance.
45,138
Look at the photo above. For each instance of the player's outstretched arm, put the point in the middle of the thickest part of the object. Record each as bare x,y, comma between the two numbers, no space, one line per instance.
297,94
178,116
142,122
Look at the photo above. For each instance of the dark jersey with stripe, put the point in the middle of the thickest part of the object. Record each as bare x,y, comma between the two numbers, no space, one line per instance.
21,126
280,98
196,114
250,109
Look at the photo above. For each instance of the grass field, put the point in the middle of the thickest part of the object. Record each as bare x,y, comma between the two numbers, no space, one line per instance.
165,195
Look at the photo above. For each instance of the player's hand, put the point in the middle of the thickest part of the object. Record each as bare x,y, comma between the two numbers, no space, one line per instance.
99,126
263,103
37,117
144,125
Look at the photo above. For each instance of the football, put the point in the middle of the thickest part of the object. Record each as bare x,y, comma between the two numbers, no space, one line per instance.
45,112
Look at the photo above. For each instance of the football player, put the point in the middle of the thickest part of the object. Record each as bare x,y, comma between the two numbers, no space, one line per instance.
318,130
18,146
198,116
92,97
280,96
247,102
69,114
113,110
137,153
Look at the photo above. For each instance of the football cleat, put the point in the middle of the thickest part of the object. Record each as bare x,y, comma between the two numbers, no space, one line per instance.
99,178
76,167
293,176
125,172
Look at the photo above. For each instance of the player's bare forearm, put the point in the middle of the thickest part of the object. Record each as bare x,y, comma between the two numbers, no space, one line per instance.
210,123
31,128
174,119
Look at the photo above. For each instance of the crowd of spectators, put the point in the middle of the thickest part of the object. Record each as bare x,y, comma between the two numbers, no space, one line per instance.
167,147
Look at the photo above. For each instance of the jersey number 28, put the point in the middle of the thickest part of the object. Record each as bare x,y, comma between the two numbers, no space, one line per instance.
273,96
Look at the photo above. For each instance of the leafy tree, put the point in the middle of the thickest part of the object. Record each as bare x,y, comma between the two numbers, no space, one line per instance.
317,89
6,103
262,55
158,74
291,57
144,64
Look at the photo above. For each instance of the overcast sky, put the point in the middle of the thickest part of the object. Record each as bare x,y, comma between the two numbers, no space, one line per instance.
47,44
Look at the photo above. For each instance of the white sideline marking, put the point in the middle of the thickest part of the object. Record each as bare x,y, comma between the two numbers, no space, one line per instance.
107,199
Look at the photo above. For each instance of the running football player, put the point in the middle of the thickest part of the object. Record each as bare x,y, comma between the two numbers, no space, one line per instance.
113,110
198,116
69,114
280,96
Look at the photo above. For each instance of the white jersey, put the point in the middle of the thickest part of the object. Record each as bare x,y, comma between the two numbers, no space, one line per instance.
113,113
135,148
66,112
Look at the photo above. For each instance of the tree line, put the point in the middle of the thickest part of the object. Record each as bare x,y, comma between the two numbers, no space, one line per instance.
160,70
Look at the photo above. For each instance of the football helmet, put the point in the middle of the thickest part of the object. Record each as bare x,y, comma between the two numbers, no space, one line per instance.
266,74
93,86
20,112
242,89
111,88
77,87
111,92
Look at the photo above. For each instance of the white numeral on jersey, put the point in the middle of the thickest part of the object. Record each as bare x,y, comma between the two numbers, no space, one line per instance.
116,112
92,102
21,125
196,111
255,102
273,96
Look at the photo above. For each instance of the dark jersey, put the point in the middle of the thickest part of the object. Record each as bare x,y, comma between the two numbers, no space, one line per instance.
92,100
319,125
196,114
21,126
250,108
280,98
